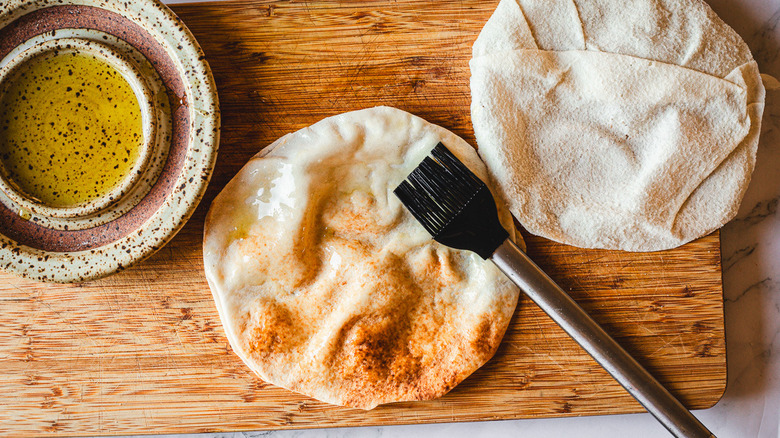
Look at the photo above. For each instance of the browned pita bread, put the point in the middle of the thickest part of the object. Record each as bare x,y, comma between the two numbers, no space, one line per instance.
327,286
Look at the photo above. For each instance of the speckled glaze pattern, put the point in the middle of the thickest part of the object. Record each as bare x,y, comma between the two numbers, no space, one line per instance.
48,249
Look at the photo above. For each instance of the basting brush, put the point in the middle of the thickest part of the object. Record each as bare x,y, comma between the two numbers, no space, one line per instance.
458,210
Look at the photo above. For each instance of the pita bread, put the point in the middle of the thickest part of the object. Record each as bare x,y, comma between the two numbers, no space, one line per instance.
616,124
327,286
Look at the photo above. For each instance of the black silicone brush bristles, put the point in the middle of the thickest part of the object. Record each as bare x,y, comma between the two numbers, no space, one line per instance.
438,189
453,204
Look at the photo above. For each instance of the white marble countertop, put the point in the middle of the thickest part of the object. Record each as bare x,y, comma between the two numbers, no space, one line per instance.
751,282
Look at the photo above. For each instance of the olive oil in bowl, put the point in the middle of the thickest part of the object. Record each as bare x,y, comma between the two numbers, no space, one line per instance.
71,129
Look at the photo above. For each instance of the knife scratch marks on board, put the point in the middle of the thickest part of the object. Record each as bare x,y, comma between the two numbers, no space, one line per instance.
676,344
554,361
86,333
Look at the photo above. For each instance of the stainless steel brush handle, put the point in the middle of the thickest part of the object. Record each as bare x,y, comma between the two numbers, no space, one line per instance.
583,329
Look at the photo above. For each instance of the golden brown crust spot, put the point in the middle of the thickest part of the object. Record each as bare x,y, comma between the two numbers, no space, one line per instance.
486,339
271,329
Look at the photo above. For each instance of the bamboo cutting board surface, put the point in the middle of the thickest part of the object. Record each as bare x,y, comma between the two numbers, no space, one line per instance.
144,352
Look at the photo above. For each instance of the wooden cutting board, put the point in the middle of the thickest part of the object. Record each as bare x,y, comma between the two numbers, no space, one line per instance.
144,352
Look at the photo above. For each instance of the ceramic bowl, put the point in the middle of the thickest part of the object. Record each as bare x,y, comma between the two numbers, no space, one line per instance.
84,47
165,67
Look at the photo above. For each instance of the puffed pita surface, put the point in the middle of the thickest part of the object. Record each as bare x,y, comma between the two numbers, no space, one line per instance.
616,124
327,286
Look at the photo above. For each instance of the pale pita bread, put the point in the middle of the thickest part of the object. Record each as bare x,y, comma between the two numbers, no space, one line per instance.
616,124
327,286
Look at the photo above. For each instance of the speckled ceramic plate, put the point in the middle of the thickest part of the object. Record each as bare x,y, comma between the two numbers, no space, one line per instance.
181,129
